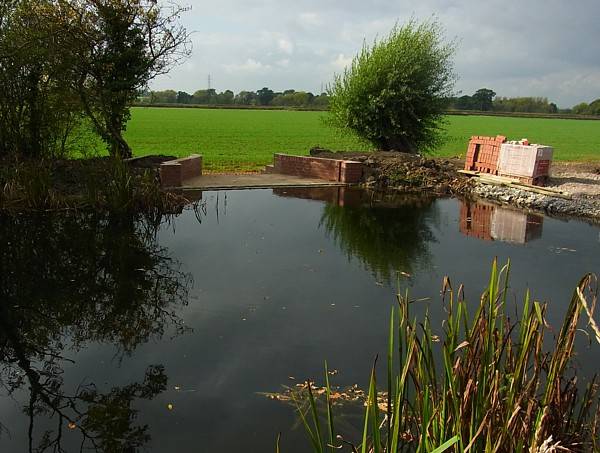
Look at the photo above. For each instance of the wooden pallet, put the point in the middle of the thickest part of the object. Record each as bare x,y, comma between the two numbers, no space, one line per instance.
486,178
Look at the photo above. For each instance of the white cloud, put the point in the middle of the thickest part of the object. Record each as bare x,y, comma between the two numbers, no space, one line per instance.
310,20
250,65
286,46
341,62
538,48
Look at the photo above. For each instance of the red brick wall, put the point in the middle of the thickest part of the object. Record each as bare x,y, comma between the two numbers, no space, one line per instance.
316,167
483,153
173,173
351,172
170,174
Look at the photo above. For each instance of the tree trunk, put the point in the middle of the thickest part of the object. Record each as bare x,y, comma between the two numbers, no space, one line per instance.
399,144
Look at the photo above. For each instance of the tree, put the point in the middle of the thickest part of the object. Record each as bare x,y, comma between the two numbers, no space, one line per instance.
265,96
594,107
394,93
581,109
245,98
225,98
184,98
163,97
37,110
116,47
483,99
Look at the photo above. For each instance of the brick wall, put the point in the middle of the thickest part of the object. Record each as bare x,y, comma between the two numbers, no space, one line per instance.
316,167
173,173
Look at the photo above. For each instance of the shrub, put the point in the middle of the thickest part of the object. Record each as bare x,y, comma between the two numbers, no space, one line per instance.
394,93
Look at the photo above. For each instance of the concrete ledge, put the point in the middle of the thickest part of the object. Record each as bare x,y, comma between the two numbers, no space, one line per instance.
173,173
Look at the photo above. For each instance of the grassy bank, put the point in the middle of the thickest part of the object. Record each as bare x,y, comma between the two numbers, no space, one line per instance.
247,139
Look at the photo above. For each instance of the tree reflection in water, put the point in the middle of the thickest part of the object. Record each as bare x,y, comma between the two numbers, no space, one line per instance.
82,278
387,233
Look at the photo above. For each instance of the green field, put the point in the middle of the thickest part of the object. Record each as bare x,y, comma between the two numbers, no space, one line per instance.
246,139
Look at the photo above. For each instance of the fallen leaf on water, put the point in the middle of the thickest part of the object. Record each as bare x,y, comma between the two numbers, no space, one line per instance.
170,406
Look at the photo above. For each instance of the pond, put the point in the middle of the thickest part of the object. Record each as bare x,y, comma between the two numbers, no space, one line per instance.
162,334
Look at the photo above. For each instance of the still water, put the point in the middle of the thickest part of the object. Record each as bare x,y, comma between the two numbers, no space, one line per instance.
129,334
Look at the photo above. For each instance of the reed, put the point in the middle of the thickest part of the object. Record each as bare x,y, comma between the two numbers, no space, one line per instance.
488,385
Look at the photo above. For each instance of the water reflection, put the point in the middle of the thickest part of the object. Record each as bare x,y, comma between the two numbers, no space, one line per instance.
70,280
386,232
492,222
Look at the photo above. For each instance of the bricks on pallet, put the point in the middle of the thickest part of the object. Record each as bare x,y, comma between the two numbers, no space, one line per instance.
527,162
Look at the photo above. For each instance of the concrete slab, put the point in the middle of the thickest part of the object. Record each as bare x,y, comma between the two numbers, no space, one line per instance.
252,181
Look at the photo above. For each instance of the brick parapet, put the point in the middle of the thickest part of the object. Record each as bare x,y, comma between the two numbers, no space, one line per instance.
317,167
174,172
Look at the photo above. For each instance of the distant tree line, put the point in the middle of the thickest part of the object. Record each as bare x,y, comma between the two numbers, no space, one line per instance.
485,100
263,97
593,108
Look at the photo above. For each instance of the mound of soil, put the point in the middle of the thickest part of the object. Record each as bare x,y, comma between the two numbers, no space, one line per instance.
406,172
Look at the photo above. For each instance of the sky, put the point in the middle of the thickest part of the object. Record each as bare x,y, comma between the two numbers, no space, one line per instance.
548,48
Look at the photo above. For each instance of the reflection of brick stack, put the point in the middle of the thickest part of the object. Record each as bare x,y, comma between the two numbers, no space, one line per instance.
483,153
495,223
476,220
515,226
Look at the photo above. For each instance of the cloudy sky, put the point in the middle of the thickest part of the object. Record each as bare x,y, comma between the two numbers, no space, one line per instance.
516,47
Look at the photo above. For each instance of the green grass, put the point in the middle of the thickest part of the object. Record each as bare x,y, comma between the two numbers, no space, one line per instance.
247,139
231,139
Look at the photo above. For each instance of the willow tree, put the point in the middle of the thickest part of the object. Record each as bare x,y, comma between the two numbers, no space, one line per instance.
394,92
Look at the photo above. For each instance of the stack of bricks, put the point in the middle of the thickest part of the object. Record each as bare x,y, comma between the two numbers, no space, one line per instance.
483,153
345,171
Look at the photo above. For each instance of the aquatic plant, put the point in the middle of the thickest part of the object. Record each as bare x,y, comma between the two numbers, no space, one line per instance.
486,385
105,184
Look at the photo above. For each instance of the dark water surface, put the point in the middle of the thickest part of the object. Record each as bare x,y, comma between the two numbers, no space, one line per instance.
121,331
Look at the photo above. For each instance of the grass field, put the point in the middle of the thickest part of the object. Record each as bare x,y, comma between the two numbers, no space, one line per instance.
246,139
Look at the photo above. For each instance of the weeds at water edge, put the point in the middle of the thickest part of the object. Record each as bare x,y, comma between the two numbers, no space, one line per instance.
489,385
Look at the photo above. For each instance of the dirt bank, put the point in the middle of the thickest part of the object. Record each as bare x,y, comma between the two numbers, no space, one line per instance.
406,172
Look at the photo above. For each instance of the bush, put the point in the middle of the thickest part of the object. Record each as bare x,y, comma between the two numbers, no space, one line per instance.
394,93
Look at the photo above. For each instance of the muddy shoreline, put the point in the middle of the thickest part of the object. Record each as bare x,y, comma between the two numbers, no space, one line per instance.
410,173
